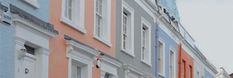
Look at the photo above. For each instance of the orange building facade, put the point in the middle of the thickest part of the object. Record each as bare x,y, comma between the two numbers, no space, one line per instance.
86,40
185,64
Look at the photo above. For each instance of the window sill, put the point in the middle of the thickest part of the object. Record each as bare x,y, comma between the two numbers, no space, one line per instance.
128,53
148,64
161,76
108,43
80,28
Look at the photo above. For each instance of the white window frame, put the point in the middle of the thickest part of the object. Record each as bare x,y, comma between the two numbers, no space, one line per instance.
79,22
132,73
129,9
40,57
160,40
77,69
106,10
83,66
82,59
103,73
33,3
111,76
198,74
108,67
36,36
144,22
174,62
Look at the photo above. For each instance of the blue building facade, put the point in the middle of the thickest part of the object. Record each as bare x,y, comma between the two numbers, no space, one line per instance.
132,61
170,6
6,42
169,46
39,8
208,74
6,51
28,9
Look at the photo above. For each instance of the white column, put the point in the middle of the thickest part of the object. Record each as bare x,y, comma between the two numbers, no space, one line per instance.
126,72
43,62
19,54
69,67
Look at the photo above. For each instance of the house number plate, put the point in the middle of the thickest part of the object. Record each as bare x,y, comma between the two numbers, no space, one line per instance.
26,70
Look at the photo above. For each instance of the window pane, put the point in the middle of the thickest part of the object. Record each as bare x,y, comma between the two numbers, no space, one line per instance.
172,64
124,41
143,44
76,71
160,57
124,24
198,75
99,4
99,19
70,14
143,53
107,75
98,25
30,50
124,31
68,9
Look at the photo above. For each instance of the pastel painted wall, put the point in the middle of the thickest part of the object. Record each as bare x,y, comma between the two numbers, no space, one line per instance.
128,59
7,34
6,51
6,46
185,64
42,12
198,68
208,74
170,45
170,5
58,67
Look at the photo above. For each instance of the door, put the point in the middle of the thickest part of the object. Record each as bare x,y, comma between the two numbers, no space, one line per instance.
29,66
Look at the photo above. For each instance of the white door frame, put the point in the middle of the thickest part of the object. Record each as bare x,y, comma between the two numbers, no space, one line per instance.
30,33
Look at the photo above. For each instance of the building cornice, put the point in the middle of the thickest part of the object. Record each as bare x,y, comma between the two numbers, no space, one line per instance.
45,25
178,34
4,8
222,73
198,54
93,51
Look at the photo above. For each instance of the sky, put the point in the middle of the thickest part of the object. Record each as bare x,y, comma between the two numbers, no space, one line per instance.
210,22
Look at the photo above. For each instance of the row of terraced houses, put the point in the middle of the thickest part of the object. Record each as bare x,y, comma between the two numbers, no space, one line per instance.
97,39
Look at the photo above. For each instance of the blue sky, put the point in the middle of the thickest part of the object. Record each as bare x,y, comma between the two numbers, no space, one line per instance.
210,22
